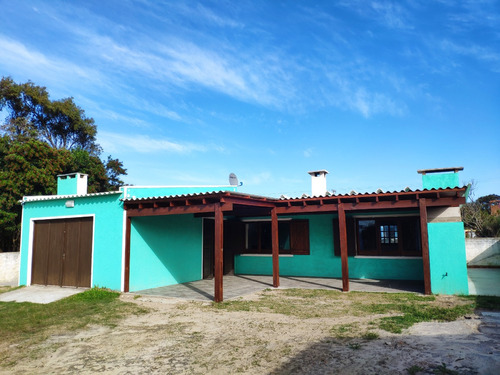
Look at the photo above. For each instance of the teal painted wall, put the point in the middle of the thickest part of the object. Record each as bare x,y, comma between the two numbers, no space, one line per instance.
165,250
440,180
448,265
323,263
155,191
67,185
108,231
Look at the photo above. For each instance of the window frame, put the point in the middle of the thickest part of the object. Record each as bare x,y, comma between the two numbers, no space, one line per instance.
398,248
298,240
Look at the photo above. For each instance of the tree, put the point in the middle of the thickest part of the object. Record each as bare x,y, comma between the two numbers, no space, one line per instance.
476,215
31,114
41,139
26,168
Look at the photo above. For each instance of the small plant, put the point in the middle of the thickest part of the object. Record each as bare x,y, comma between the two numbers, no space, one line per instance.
413,370
354,345
370,336
137,296
443,370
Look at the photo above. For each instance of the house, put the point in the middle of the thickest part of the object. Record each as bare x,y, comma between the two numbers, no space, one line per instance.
145,237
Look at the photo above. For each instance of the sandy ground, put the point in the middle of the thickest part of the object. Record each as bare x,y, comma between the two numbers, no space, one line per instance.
176,337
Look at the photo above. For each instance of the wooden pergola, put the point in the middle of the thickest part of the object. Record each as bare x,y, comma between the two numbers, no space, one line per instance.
218,204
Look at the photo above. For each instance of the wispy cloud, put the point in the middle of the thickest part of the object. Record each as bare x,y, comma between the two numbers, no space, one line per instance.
18,57
113,142
475,51
388,13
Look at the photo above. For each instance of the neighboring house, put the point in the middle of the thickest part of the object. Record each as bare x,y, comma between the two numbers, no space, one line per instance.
146,237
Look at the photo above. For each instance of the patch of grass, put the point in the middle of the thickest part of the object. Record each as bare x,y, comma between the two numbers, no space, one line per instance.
484,302
343,331
370,336
401,310
413,370
443,370
34,322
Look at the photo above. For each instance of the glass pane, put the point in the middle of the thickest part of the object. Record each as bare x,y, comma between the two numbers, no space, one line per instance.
367,235
265,236
252,236
284,235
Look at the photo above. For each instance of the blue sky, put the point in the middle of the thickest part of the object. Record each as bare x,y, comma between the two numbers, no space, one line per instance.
186,92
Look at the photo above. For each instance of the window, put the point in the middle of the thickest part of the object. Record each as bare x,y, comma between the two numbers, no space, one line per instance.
389,236
293,237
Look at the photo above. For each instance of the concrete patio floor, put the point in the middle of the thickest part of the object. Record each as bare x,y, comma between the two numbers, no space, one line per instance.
241,285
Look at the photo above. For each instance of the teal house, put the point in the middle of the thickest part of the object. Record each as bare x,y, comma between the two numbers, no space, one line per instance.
144,237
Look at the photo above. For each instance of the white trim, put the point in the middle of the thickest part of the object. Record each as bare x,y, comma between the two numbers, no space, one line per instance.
384,257
31,239
21,248
175,186
124,235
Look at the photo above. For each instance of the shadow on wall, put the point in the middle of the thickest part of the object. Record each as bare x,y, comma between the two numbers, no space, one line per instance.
483,252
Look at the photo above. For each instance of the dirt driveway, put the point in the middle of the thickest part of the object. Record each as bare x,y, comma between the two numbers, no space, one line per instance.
179,337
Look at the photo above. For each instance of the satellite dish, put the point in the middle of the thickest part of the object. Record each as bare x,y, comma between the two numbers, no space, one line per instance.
233,180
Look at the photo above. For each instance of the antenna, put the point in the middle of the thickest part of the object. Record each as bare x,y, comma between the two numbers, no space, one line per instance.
233,180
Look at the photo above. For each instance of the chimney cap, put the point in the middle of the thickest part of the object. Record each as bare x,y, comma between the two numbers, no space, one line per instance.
316,173
440,170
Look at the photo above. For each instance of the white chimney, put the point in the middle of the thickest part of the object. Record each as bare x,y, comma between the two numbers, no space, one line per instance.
318,183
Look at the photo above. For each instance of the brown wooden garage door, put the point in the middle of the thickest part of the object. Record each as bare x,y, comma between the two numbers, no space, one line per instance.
62,252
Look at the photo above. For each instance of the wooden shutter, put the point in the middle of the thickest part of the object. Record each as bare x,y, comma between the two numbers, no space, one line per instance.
299,237
351,236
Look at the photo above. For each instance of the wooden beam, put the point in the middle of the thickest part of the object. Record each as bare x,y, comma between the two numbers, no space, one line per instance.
126,281
343,248
425,245
177,210
275,247
219,255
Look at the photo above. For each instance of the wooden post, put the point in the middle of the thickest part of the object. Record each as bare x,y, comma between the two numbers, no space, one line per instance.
126,281
276,249
343,248
425,245
219,255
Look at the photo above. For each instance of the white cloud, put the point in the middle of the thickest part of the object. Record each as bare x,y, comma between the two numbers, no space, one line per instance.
113,142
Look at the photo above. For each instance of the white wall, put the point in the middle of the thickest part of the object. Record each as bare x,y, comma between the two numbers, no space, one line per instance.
483,251
9,268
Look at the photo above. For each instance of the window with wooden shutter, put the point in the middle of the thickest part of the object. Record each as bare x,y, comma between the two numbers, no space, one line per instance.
293,237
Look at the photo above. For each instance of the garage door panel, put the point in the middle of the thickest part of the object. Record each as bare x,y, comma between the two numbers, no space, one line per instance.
62,252
85,254
40,255
71,254
55,251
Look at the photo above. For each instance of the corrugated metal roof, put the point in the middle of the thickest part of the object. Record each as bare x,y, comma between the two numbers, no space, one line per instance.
36,198
194,195
284,198
378,192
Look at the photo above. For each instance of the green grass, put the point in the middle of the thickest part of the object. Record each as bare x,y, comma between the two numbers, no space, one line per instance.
401,310
94,306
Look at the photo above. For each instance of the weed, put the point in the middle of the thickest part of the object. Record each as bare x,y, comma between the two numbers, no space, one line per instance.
443,370
413,370
354,346
370,336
